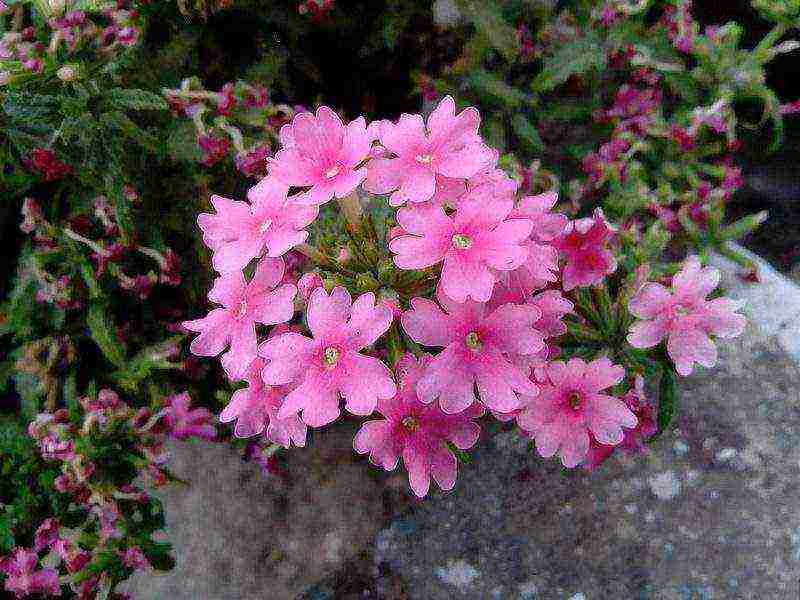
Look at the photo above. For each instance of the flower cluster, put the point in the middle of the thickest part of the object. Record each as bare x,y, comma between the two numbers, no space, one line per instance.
101,451
460,309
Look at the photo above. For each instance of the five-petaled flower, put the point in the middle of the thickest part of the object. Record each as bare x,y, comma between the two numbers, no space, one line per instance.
477,345
272,224
330,364
474,243
451,147
685,317
321,153
584,243
263,300
417,432
571,405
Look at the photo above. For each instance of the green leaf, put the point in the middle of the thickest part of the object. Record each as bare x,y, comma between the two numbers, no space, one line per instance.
102,330
667,398
574,58
527,132
137,100
489,22
495,90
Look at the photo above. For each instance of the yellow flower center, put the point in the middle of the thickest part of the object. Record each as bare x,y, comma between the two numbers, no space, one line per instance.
411,423
424,159
462,242
265,226
473,341
332,356
242,310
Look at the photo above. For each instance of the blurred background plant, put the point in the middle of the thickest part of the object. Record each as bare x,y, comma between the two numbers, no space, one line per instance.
118,120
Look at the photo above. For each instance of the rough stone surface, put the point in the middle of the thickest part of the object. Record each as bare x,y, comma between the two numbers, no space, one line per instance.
711,513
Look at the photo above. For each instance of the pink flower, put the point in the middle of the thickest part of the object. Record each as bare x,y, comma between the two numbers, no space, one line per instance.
476,350
477,240
308,283
570,406
239,232
134,558
262,300
46,535
451,147
634,441
23,578
685,317
255,409
322,153
185,422
584,244
418,432
330,364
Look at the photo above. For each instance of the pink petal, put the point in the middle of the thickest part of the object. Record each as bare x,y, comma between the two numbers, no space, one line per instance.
688,347
444,468
292,168
418,185
366,380
511,329
367,321
418,471
228,289
286,358
412,252
357,142
326,313
319,404
602,374
650,300
462,279
405,136
242,351
383,176
447,379
646,334
214,333
464,162
719,318
427,324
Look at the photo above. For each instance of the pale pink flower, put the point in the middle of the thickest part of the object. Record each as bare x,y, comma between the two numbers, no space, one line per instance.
255,409
571,406
185,422
262,300
685,317
330,364
322,153
584,244
417,432
308,283
476,350
450,147
473,243
23,578
271,224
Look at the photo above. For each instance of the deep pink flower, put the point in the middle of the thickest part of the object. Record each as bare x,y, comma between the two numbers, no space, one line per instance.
23,577
134,558
418,432
685,317
262,300
451,147
46,535
214,149
322,153
272,223
477,240
330,364
476,350
571,406
584,243
255,409
185,422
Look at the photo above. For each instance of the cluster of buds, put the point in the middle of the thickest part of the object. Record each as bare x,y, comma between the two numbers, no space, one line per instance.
459,309
68,33
239,120
101,452
110,255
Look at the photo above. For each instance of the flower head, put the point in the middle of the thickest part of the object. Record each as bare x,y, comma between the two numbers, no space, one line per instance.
474,243
185,422
255,409
450,147
584,244
417,432
262,300
330,364
23,578
321,153
239,232
571,405
685,317
477,345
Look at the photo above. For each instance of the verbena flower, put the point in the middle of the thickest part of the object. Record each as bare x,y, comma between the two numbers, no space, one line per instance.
571,405
475,242
320,152
184,422
24,578
685,317
450,147
417,432
584,244
477,344
272,224
330,364
262,300
255,410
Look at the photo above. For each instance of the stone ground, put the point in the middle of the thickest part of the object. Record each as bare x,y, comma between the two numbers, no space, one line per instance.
710,513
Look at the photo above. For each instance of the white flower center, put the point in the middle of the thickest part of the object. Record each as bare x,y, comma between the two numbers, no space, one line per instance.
473,341
242,310
265,226
424,159
332,172
332,356
462,242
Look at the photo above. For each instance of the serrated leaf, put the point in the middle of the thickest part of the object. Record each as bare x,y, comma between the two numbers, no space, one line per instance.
573,58
137,99
102,330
